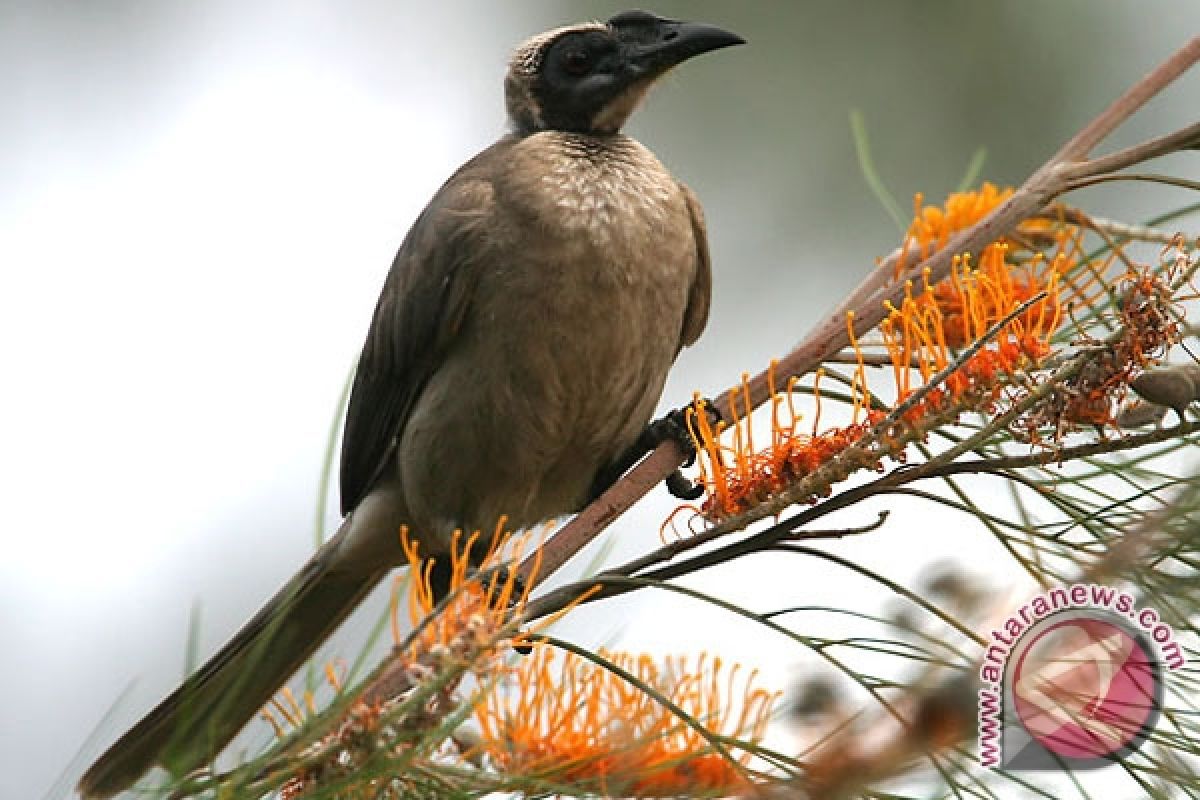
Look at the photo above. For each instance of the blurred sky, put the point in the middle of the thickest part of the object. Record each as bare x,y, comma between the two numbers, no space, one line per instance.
199,202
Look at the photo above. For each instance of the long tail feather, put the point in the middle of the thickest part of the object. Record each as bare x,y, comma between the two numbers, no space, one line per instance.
193,724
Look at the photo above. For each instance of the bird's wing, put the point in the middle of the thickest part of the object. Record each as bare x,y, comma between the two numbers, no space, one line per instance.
425,298
700,293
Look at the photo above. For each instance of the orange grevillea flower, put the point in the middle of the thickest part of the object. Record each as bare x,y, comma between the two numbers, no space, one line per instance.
481,604
921,337
738,476
1051,239
933,226
569,719
465,633
286,712
921,334
965,331
970,301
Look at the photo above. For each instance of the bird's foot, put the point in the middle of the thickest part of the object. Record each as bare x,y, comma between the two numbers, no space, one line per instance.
672,426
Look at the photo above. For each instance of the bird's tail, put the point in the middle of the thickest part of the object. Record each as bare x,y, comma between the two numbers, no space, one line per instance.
193,724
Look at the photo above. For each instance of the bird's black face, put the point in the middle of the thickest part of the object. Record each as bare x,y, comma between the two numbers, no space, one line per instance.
591,78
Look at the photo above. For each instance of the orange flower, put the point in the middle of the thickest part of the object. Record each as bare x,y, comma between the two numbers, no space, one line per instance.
579,722
932,226
959,311
477,609
466,633
737,477
1149,316
362,716
920,336
294,713
971,301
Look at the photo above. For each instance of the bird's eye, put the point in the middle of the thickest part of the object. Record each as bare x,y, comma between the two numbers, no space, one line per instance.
577,62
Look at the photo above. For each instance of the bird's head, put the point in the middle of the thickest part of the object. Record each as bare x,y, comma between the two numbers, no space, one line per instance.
589,78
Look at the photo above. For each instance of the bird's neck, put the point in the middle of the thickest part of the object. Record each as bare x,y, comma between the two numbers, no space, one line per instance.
590,189
591,146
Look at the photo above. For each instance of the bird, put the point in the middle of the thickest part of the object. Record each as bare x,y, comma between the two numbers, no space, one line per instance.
519,347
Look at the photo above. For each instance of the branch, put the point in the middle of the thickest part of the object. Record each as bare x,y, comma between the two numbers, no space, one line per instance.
829,335
1182,139
1101,447
838,533
609,579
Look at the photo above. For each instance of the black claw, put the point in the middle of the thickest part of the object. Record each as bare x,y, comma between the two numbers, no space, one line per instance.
679,486
674,426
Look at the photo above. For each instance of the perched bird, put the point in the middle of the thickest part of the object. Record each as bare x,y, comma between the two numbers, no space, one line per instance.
514,359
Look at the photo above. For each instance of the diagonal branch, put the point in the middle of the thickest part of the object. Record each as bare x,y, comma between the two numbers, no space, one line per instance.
554,600
1101,447
1182,139
1134,98
829,335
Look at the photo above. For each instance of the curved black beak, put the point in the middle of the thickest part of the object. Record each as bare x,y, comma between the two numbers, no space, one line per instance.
654,44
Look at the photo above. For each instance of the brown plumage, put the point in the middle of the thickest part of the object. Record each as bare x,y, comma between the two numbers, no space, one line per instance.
517,352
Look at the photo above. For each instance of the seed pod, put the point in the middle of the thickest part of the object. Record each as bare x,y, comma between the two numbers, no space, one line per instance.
1174,387
1140,414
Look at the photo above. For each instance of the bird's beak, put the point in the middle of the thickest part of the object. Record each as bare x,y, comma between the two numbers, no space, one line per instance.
663,43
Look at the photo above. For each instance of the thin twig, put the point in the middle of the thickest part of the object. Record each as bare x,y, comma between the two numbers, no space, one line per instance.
838,533
1166,180
1181,139
1111,229
867,359
1102,447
